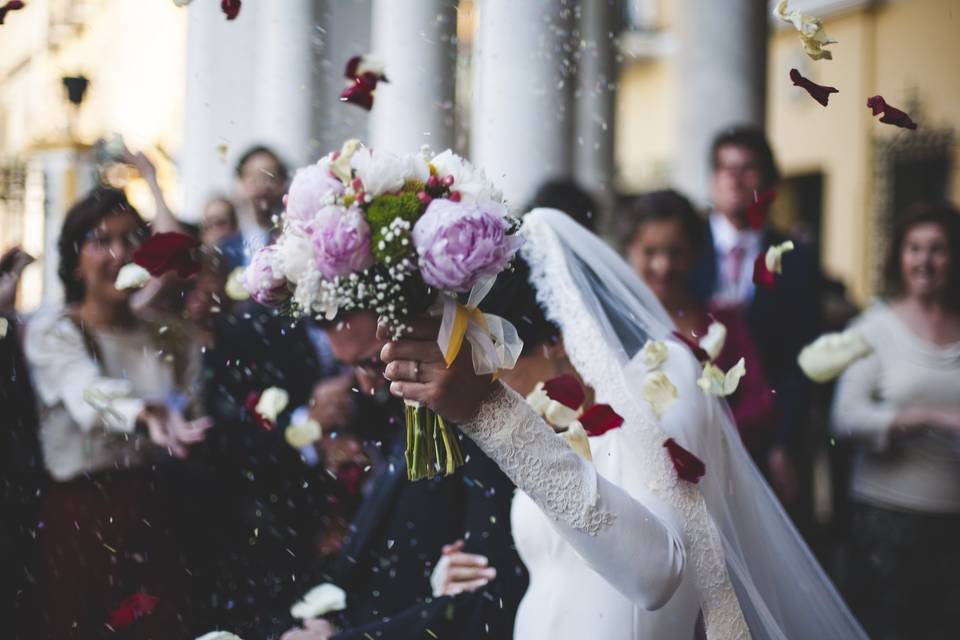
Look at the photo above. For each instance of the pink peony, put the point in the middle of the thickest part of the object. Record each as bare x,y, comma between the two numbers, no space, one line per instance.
341,241
460,243
312,188
263,280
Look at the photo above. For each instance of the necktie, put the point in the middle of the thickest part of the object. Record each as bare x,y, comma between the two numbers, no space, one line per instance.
734,268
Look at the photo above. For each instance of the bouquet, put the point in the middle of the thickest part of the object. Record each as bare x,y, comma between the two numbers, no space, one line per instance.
400,236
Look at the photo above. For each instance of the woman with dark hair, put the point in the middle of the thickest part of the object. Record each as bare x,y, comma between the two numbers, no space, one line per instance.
901,406
112,393
663,239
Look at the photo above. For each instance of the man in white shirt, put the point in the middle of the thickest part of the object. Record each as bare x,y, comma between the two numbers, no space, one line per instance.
781,319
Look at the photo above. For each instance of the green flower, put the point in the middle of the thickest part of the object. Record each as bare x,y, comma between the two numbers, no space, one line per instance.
391,217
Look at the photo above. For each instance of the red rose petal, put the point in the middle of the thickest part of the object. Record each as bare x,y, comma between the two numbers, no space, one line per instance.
689,467
762,276
250,404
131,609
231,8
757,210
566,390
820,93
360,92
164,252
698,351
599,419
13,5
891,115
350,72
350,475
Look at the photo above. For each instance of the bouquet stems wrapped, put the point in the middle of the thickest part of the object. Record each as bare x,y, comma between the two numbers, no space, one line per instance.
432,445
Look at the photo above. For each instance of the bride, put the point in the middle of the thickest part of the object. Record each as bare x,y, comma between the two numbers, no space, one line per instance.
620,547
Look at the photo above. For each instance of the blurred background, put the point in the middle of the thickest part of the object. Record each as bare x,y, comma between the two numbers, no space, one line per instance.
609,92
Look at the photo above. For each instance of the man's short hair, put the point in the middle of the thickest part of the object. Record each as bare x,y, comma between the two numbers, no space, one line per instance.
750,138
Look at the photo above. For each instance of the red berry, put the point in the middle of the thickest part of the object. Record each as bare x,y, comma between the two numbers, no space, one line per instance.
454,196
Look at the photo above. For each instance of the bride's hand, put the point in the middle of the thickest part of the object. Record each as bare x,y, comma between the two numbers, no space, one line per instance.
417,371
458,571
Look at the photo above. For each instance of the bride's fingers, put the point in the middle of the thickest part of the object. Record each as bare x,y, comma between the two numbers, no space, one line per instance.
472,585
468,559
453,547
409,370
469,574
412,391
420,350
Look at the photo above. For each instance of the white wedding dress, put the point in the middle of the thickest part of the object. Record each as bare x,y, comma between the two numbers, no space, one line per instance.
620,547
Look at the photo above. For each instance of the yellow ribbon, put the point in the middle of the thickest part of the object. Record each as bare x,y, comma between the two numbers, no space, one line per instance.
461,322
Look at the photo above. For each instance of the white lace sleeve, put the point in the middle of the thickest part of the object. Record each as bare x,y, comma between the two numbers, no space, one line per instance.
636,546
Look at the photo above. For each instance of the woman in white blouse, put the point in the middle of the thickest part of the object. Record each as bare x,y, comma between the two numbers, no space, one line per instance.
901,405
112,390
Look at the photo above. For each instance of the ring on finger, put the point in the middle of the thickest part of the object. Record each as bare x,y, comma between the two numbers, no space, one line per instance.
416,371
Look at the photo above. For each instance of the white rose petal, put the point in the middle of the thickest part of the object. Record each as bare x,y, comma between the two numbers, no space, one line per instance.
659,392
219,635
234,287
577,438
713,340
559,414
811,31
713,381
131,276
342,166
183,3
829,355
774,256
4,326
654,354
303,433
320,601
272,402
538,399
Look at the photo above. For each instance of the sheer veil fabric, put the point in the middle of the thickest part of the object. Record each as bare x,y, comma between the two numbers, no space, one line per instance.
753,574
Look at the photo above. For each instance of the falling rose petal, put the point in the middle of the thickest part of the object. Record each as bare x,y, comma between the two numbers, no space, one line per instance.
231,8
366,64
302,434
713,340
659,392
599,419
132,609
820,93
698,351
576,437
131,276
762,276
271,403
13,5
163,252
182,3
250,404
773,258
360,92
713,381
891,115
688,466
653,354
566,390
758,209
829,355
812,36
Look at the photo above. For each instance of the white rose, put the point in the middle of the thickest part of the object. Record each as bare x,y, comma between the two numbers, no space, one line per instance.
471,182
659,392
272,402
303,433
219,635
417,167
829,355
379,171
319,601
234,287
713,340
131,276
715,382
774,256
294,254
577,438
654,354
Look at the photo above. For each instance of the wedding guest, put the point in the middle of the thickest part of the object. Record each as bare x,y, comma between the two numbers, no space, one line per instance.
261,183
403,527
662,239
218,221
901,407
782,319
568,196
22,477
111,387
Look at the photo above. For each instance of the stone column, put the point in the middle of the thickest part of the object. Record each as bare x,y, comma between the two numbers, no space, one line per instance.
721,80
521,115
594,98
417,40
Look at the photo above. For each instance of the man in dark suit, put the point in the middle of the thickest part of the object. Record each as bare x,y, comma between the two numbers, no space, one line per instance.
401,528
782,319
